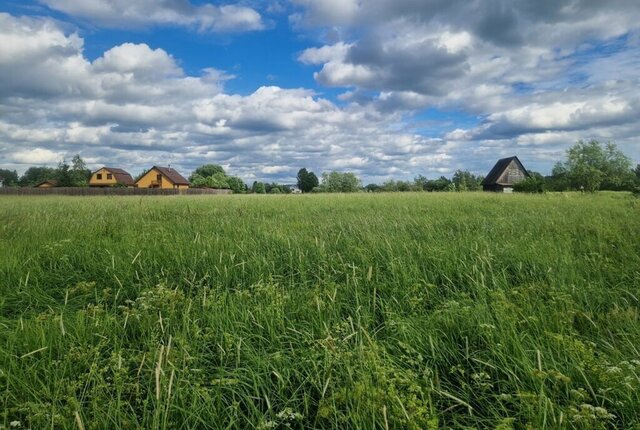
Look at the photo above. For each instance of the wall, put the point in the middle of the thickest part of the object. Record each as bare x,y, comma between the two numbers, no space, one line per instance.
150,179
104,182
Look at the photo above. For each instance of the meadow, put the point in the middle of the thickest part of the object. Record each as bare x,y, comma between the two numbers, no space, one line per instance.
385,311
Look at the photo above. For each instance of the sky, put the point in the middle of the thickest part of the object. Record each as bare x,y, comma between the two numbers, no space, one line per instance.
383,88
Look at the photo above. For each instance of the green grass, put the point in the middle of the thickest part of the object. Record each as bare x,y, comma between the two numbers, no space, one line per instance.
416,311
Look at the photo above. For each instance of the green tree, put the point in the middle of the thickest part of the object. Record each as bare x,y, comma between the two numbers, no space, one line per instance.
64,175
208,170
466,181
78,172
337,182
591,166
307,180
34,175
532,184
258,188
236,184
440,184
9,177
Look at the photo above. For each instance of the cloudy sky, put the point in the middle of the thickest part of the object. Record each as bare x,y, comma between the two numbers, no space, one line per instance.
384,88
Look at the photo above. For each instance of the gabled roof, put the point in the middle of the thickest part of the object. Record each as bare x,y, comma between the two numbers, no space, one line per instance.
122,176
499,168
172,174
52,182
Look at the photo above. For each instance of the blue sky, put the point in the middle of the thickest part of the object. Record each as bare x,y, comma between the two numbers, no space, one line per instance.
384,88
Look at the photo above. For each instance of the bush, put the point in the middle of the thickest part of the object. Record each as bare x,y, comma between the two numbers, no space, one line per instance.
530,185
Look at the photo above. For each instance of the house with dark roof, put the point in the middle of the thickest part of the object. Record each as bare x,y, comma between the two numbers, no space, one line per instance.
162,177
111,177
506,173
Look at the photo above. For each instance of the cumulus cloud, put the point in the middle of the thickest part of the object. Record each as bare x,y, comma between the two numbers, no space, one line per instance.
140,13
530,69
134,106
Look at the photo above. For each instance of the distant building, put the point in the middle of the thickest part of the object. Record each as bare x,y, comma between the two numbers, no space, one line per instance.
162,177
49,183
294,189
1,182
506,173
110,177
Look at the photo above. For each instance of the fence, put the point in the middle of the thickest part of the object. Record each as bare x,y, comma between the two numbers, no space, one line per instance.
108,191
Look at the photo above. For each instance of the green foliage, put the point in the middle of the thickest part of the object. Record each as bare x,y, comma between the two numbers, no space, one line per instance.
9,177
258,188
532,184
400,186
362,311
206,171
217,181
440,184
35,175
339,182
236,184
591,166
214,176
307,180
466,181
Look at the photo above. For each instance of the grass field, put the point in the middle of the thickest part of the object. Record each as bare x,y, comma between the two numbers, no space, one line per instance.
417,311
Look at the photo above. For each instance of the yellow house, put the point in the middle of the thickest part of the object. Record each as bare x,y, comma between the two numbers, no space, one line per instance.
50,183
162,177
110,177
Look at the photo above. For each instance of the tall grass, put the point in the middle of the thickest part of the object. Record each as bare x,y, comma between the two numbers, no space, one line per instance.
415,311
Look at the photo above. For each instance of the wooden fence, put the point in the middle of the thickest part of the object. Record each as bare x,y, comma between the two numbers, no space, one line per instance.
107,191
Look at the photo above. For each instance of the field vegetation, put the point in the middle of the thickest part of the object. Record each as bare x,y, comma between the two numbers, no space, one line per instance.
388,311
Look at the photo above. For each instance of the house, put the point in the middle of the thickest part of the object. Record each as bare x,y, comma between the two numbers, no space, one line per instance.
49,183
504,175
110,177
162,177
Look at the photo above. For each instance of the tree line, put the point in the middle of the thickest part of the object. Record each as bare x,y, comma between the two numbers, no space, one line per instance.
589,166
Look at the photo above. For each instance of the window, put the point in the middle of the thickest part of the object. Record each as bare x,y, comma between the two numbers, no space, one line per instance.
159,178
109,176
99,176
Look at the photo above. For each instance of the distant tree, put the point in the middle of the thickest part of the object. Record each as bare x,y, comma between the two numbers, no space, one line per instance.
9,177
421,182
275,190
440,184
392,186
307,180
590,166
337,182
532,184
371,188
258,188
78,172
34,175
64,175
466,181
637,172
236,184
208,170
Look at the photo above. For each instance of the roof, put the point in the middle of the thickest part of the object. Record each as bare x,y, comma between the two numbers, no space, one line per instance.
52,182
499,168
172,174
122,176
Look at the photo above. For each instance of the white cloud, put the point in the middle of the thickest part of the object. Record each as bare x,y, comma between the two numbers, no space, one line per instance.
134,106
37,156
140,13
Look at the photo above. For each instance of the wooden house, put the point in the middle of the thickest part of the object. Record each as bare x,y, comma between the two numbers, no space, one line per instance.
49,183
162,177
110,177
506,173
